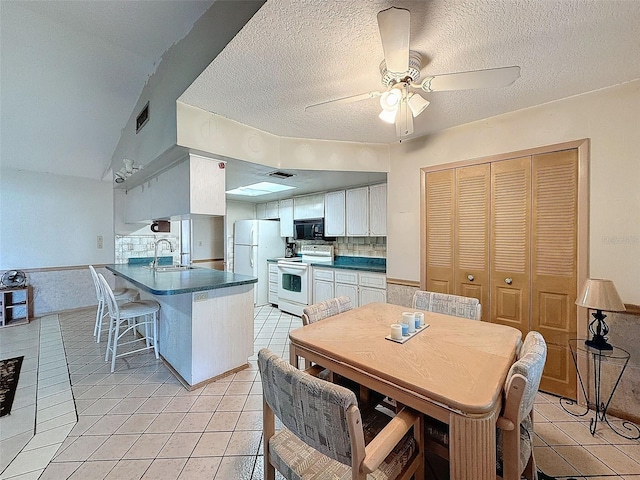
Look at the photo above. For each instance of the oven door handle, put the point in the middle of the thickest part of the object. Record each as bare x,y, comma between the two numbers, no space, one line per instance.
292,268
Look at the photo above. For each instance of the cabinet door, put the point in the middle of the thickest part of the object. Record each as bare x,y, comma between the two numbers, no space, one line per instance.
358,212
308,206
371,295
322,291
554,185
378,210
348,290
261,211
286,217
471,255
510,242
439,221
334,214
272,212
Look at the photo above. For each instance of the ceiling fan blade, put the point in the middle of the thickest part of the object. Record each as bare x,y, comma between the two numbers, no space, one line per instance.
350,99
394,25
491,78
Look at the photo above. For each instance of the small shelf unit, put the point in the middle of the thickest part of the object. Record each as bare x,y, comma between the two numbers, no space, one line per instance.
14,306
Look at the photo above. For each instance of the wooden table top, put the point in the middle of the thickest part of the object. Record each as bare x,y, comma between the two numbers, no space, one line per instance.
459,363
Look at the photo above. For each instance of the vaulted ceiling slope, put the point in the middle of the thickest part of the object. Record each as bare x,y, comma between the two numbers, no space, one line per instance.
71,73
292,54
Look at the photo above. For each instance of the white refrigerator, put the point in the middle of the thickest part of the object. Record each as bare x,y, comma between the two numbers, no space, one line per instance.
254,241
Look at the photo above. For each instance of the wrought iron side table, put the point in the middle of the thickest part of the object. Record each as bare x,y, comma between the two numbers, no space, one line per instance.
617,357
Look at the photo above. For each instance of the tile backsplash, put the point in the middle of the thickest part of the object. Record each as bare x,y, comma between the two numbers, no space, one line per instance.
354,246
136,246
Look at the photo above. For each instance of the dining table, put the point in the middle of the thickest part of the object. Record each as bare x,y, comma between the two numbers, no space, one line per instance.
452,370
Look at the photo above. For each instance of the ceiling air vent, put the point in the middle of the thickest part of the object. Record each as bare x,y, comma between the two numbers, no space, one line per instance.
142,118
281,175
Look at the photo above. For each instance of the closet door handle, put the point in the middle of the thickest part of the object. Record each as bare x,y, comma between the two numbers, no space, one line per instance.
470,277
508,281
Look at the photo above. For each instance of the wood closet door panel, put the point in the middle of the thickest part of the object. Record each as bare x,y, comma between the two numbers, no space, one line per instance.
473,190
554,263
440,210
510,243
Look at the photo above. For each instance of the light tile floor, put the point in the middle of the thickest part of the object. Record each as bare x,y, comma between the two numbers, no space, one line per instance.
139,422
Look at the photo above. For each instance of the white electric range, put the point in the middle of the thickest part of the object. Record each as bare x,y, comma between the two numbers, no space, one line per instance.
294,282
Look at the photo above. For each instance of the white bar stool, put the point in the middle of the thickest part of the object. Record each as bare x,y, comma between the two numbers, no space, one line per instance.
129,311
120,294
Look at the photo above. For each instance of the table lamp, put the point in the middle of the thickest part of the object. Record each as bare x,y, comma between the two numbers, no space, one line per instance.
598,294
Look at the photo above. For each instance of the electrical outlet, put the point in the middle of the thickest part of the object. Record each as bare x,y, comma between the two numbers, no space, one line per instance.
100,241
200,243
200,297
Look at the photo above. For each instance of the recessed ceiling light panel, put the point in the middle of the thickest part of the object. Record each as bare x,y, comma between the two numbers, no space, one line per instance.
257,189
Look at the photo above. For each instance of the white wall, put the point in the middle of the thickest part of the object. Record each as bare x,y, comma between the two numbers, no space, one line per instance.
49,220
610,118
207,237
180,66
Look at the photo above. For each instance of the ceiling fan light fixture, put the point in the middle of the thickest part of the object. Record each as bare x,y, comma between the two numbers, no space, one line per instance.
388,116
391,99
417,104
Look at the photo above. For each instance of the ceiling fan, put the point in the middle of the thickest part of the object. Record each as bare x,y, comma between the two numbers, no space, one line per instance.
400,72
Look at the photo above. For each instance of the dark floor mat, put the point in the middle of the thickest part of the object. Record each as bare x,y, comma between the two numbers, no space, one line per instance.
9,373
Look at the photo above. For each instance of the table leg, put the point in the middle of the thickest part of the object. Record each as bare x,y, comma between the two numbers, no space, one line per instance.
293,356
472,447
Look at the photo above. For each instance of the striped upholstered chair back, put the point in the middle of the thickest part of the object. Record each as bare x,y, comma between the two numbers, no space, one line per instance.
454,305
322,310
325,436
515,445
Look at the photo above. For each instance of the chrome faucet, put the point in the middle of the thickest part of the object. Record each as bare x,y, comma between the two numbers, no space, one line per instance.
154,264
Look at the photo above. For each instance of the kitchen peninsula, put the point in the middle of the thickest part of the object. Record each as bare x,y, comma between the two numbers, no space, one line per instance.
205,329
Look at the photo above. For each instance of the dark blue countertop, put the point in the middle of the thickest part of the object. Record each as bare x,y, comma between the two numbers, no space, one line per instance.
364,264
174,283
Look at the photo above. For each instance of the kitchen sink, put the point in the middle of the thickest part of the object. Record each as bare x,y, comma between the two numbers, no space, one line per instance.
172,268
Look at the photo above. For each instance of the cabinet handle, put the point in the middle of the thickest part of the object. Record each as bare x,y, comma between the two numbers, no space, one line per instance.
470,277
508,281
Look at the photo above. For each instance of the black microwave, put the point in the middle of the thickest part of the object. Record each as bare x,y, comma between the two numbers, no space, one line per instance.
308,229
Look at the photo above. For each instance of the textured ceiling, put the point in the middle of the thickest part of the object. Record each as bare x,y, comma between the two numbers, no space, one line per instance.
296,53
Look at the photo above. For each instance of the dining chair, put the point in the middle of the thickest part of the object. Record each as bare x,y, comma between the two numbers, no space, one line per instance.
455,305
120,294
119,314
322,310
514,432
325,435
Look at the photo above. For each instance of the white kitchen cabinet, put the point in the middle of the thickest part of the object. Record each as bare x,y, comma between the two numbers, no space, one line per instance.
378,210
361,287
273,283
272,211
372,287
261,211
137,204
308,206
286,217
357,212
194,186
323,288
334,214
347,290
346,284
371,295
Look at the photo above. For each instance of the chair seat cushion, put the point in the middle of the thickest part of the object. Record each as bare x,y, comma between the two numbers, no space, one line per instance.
138,308
296,460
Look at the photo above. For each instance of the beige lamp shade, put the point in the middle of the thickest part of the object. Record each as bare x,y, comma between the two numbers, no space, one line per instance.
599,294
